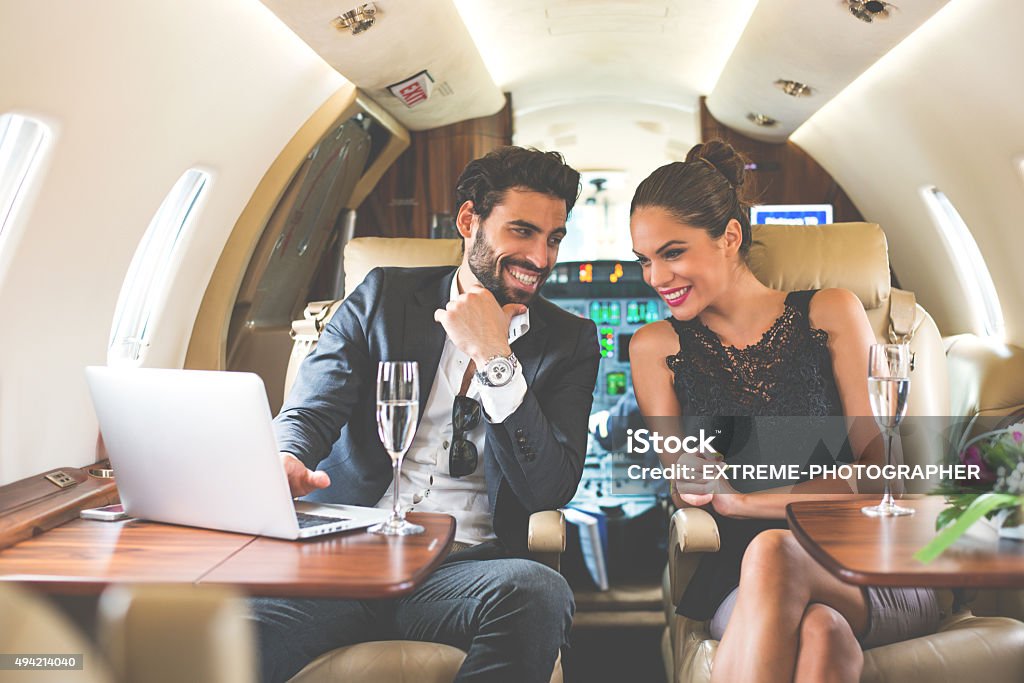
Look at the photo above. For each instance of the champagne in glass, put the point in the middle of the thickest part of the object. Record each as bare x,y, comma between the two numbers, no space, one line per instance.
398,407
395,425
888,389
888,400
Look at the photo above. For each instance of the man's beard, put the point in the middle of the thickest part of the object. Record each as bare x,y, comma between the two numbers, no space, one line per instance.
485,267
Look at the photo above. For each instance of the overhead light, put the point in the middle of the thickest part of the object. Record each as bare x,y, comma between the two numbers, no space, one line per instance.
599,187
356,20
762,120
794,88
869,10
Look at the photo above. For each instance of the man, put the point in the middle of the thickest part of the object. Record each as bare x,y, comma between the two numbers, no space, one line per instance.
478,332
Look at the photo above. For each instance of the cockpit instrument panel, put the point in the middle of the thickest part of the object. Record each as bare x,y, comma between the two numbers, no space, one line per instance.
614,295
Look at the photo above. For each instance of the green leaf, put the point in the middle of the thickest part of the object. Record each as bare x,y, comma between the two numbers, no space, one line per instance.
983,505
963,500
946,516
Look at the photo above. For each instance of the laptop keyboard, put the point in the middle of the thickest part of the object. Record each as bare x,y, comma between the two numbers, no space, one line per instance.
307,520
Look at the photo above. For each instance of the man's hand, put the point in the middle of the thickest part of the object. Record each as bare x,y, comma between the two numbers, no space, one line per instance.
598,423
477,325
302,480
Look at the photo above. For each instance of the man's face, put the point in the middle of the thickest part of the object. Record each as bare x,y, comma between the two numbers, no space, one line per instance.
513,251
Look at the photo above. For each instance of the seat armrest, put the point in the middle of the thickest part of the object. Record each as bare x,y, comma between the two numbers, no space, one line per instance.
546,533
691,531
545,537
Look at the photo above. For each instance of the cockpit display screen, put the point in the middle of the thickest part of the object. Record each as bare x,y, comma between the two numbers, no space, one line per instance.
615,383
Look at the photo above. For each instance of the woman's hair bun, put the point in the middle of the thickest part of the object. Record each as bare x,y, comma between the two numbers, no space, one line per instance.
702,192
723,158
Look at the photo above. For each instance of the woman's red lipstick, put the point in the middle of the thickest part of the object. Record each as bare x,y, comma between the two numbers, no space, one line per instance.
675,297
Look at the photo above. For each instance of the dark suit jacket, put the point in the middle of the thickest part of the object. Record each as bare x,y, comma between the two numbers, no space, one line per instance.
533,460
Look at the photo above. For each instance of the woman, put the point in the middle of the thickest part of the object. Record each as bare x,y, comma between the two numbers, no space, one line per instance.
736,347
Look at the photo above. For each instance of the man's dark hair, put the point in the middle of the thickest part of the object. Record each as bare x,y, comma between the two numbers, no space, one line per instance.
485,180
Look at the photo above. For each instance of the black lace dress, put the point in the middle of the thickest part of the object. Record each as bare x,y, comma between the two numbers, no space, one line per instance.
785,380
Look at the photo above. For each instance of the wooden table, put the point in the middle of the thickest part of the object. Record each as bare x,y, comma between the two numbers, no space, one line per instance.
84,557
878,551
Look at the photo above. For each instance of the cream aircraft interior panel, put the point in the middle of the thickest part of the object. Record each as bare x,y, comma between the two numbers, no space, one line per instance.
189,87
938,110
411,36
820,44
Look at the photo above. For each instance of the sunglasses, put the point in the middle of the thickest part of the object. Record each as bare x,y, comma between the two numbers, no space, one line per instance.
462,455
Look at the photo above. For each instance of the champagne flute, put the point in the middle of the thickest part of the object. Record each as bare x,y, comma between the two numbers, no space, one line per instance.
888,388
398,407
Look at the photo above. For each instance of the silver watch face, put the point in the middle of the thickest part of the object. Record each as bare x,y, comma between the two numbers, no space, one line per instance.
498,371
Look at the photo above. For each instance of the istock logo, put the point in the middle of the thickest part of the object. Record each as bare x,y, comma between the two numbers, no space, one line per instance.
644,441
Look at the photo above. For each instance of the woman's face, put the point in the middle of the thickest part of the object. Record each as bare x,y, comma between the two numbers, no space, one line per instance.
687,268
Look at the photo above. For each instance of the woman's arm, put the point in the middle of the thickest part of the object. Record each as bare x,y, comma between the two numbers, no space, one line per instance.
652,378
656,397
839,313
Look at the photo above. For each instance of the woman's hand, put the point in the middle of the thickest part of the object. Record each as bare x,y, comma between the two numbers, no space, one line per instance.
703,485
692,499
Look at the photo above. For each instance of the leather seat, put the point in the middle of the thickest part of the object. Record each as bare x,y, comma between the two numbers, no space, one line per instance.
401,661
31,625
853,256
394,661
147,632
986,379
164,633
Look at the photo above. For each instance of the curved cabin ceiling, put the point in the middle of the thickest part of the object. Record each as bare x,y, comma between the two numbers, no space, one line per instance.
612,84
407,37
821,44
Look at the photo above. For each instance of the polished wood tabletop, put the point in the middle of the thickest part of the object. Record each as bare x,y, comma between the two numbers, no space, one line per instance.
349,565
879,551
84,557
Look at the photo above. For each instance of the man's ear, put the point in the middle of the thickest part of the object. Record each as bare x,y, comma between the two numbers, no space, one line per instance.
464,219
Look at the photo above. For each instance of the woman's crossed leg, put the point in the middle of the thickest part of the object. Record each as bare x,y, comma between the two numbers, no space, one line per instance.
793,621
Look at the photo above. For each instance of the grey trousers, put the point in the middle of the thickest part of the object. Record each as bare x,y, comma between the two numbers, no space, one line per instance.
511,616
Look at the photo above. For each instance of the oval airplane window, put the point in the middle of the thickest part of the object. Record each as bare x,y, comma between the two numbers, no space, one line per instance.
22,140
970,265
150,270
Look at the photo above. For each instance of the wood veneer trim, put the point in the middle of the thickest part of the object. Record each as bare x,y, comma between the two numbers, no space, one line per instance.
28,517
1004,574
813,549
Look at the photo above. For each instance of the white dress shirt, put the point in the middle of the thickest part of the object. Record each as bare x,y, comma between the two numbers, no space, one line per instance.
427,484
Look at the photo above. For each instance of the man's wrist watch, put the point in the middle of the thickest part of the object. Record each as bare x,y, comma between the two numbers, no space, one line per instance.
497,371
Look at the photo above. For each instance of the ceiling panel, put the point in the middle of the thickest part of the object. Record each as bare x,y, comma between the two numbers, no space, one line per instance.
408,36
816,42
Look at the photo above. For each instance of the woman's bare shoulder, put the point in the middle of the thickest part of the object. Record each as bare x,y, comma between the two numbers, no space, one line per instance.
656,338
834,309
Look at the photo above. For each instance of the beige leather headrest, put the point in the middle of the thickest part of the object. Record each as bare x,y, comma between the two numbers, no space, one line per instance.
789,257
848,255
363,254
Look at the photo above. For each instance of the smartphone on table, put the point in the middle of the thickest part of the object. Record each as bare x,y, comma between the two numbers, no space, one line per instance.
107,513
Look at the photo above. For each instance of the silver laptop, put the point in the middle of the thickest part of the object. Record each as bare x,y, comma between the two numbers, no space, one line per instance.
197,448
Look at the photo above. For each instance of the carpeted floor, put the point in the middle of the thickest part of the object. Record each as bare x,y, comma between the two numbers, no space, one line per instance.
614,655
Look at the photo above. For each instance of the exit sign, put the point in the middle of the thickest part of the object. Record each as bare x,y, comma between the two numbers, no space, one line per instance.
414,90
